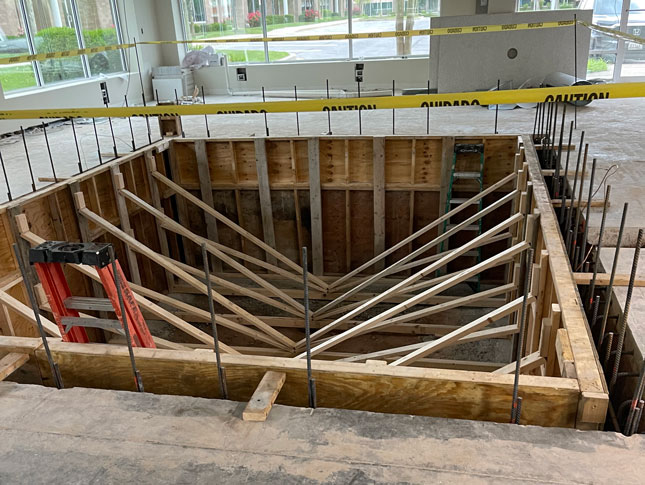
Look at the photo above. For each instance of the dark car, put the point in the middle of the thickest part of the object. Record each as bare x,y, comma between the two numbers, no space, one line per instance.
607,14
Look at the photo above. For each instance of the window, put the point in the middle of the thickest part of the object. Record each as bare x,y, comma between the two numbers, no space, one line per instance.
227,18
43,26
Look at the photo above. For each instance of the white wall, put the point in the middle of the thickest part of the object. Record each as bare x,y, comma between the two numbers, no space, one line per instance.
450,8
475,62
378,74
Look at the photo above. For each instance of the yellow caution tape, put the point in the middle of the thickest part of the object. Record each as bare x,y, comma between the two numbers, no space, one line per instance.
56,55
475,29
615,33
573,93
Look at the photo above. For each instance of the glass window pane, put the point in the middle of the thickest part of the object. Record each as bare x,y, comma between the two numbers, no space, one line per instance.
392,15
52,25
209,19
13,42
634,62
307,17
99,29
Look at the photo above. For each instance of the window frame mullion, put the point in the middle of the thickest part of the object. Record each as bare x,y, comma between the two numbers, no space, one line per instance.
79,39
40,82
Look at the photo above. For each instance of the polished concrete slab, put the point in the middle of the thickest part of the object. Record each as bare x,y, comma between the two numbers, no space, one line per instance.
98,436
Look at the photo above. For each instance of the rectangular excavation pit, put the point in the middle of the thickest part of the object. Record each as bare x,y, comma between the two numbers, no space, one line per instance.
348,199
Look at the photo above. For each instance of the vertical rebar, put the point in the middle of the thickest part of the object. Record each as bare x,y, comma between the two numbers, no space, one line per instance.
116,153
208,131
220,370
633,408
628,300
535,120
31,173
53,367
594,314
555,189
266,122
592,286
6,179
565,177
78,151
573,199
393,109
520,340
49,152
98,145
610,288
134,145
585,233
496,109
124,319
328,111
551,143
310,381
181,123
610,343
360,121
428,112
576,205
295,92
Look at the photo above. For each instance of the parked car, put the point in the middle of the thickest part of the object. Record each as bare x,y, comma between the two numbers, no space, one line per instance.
607,14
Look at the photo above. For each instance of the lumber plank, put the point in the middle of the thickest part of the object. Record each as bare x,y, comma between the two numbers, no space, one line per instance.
527,364
315,206
464,275
118,184
177,228
404,242
10,363
400,390
25,311
235,227
264,190
565,354
151,167
447,155
588,371
206,190
400,287
264,396
378,162
145,304
602,279
192,281
473,326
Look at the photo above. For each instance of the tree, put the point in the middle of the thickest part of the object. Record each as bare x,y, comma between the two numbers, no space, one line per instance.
404,22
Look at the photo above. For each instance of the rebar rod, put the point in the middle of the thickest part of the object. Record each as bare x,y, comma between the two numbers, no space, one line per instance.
311,384
211,307
53,367
585,232
610,287
567,223
181,123
329,111
522,324
496,109
49,152
592,286
78,151
31,172
98,145
124,319
134,145
208,131
295,92
565,179
143,92
6,179
638,395
628,300
575,204
555,189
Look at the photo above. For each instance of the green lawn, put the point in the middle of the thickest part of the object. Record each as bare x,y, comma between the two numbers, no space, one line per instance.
258,30
18,77
252,56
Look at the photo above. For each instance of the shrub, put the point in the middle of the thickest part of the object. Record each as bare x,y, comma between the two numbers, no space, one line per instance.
288,18
597,64
254,18
218,26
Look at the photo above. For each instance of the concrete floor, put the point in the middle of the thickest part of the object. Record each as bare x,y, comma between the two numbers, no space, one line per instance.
96,436
613,128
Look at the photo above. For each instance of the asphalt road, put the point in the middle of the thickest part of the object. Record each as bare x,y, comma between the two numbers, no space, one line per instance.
339,49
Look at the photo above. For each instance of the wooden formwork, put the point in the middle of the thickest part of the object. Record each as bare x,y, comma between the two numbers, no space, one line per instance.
255,203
